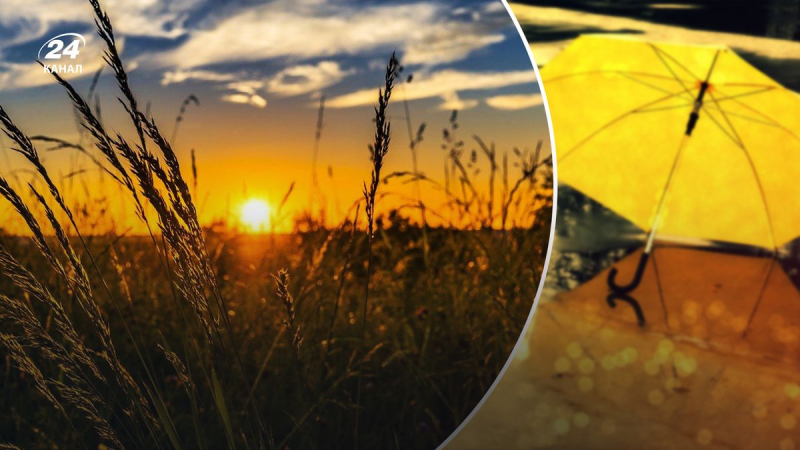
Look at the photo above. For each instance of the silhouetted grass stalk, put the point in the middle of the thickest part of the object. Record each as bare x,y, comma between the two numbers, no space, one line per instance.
190,99
412,145
316,192
189,240
378,150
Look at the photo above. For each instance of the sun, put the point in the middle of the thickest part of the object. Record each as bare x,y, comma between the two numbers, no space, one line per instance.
255,215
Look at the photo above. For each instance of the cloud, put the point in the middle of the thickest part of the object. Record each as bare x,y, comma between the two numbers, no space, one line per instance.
250,87
32,19
246,99
291,31
451,101
180,76
247,92
512,102
446,46
303,79
494,7
443,84
425,33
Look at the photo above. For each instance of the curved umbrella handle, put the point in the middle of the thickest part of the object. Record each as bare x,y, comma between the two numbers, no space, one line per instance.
637,277
616,296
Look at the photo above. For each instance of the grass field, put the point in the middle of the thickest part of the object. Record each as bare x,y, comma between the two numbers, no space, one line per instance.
379,332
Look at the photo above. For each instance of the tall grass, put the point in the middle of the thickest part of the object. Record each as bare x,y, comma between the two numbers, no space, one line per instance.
316,192
377,152
379,332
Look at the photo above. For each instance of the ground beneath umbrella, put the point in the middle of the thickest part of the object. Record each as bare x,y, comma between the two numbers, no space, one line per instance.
587,380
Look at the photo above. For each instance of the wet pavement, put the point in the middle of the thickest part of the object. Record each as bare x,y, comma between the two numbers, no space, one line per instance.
588,377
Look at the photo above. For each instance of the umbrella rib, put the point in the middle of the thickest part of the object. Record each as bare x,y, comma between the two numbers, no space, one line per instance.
652,86
744,117
724,130
614,121
672,58
733,134
658,53
761,85
755,174
743,94
602,72
741,145
751,119
773,121
713,65
663,108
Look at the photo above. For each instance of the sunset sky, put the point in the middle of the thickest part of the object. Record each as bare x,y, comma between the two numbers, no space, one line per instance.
259,68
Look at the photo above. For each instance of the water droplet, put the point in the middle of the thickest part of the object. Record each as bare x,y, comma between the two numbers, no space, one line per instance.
655,397
585,384
686,366
652,367
562,365
581,420
561,426
574,350
608,427
672,384
631,354
792,390
715,310
586,366
788,421
705,436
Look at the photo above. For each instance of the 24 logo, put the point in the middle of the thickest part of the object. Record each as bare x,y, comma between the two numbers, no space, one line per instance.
64,45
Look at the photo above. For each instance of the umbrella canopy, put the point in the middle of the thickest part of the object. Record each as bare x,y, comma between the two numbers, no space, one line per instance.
691,141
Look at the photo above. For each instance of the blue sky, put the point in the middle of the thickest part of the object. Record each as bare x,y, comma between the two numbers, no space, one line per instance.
259,68
254,51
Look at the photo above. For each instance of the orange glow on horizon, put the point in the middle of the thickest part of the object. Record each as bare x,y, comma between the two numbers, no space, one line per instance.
255,215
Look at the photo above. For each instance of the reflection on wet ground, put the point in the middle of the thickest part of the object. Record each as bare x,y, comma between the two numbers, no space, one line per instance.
582,384
589,377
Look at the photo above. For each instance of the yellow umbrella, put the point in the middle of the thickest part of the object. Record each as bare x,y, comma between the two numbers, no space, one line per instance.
689,141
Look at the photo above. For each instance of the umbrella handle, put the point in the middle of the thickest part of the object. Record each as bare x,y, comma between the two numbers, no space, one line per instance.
617,296
637,277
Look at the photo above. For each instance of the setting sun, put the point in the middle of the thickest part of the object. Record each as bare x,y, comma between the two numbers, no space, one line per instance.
255,215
